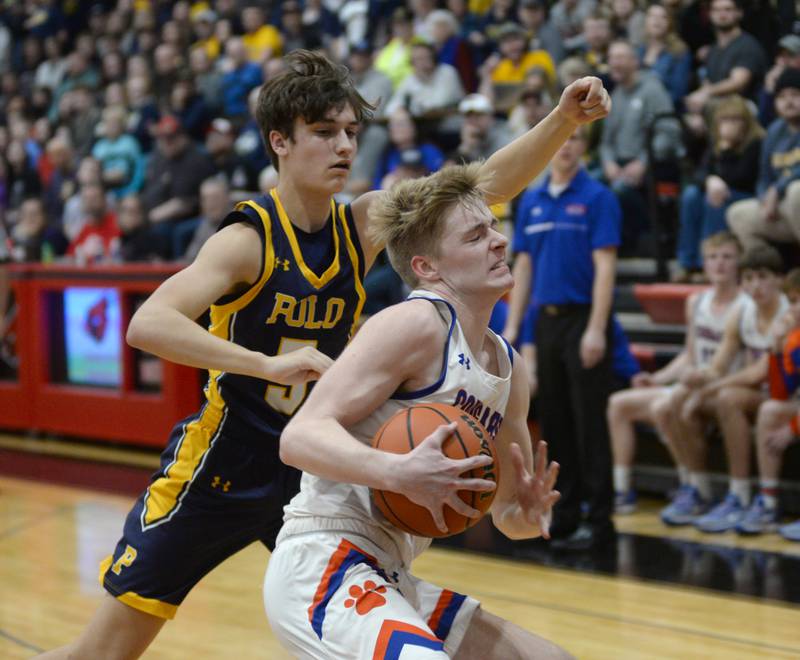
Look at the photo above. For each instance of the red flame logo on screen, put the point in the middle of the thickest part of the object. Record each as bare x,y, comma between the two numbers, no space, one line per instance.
97,319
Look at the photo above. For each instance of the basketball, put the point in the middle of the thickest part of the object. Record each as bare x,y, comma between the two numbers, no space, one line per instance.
407,428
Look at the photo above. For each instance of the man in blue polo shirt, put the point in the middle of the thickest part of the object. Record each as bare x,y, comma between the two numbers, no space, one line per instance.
566,236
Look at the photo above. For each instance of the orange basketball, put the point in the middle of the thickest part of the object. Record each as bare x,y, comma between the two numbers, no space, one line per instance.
402,432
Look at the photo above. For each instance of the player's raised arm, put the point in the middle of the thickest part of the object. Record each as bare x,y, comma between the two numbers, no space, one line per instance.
523,505
514,166
229,263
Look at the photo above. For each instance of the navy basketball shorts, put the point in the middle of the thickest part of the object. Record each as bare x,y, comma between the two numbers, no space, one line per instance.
219,489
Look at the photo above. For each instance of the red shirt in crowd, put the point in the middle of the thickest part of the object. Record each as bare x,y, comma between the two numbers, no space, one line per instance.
96,242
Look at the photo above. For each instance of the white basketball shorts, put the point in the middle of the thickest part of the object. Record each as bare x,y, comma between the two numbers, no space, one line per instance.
338,595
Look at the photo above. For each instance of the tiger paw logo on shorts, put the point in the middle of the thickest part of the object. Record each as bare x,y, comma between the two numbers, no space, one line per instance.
366,598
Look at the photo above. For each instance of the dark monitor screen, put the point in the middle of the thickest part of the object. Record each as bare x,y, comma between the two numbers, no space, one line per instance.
93,336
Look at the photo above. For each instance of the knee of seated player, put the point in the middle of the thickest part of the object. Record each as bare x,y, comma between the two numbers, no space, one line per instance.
773,414
662,408
728,399
619,406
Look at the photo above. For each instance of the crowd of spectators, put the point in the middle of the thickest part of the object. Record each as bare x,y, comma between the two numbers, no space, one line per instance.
103,105
116,116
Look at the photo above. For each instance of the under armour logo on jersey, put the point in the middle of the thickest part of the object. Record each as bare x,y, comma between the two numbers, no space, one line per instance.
463,360
218,482
282,263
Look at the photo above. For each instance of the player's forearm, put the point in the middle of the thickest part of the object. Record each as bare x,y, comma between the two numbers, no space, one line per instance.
750,376
169,334
324,448
512,522
672,371
733,84
514,166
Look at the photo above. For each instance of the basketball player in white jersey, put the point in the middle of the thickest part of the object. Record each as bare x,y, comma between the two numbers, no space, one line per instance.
338,582
732,398
649,399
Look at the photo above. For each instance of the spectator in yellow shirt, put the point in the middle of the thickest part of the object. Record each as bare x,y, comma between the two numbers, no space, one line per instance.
261,40
394,59
503,75
203,25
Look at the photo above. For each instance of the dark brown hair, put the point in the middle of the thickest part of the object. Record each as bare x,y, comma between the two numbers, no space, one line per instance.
762,257
309,87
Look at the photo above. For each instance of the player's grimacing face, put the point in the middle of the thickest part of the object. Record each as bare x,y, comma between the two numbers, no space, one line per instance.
321,153
472,254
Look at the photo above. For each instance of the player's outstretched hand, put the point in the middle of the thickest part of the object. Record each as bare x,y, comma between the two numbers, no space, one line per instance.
297,367
429,478
535,492
585,100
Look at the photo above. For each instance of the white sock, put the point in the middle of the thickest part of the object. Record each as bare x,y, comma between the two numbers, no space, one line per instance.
740,488
622,478
769,493
683,475
701,481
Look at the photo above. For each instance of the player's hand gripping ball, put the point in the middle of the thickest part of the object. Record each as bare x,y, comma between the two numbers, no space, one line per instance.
409,427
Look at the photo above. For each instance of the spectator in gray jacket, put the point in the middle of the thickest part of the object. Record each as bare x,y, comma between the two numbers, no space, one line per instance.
637,99
775,214
376,88
215,203
567,17
431,90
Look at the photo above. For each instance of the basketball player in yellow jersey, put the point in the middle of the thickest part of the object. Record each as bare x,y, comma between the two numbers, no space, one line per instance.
283,280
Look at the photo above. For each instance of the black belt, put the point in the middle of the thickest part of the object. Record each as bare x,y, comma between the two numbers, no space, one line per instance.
563,310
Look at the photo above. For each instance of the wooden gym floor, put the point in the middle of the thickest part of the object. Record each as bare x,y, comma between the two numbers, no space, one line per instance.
655,593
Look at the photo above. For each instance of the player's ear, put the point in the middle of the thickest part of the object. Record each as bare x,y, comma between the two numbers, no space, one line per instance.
279,143
424,268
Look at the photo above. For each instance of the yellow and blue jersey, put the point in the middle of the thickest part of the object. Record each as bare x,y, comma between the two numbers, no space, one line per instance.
222,485
309,293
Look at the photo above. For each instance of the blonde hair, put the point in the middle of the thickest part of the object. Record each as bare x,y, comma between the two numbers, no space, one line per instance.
737,106
722,238
410,217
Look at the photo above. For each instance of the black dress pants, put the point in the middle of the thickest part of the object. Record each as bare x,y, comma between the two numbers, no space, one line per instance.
572,415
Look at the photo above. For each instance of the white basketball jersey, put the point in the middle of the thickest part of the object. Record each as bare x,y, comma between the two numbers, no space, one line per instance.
710,327
462,383
757,343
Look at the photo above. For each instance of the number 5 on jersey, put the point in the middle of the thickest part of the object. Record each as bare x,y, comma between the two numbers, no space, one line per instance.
287,398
